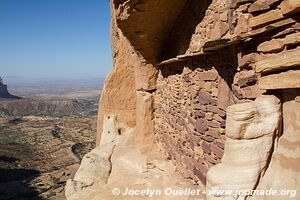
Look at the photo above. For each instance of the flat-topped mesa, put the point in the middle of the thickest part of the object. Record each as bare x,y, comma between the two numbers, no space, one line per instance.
4,92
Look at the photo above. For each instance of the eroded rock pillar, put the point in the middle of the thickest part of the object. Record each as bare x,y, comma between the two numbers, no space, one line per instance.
283,174
251,129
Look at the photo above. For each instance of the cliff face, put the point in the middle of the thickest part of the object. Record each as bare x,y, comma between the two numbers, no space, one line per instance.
208,82
4,92
26,107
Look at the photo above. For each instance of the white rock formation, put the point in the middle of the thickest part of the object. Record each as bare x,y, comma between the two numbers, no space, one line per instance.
96,165
283,173
251,129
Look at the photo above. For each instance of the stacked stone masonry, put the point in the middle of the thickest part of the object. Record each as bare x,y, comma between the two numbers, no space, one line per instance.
261,55
190,104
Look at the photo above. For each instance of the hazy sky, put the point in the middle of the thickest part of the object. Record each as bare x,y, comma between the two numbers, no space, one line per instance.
54,38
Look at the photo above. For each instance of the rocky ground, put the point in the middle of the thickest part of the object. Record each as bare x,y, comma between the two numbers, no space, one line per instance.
38,154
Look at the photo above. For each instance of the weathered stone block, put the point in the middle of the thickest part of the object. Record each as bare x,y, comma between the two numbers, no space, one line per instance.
289,79
210,75
201,125
225,95
265,18
214,124
216,150
277,62
271,46
261,5
289,6
206,147
216,110
212,133
204,97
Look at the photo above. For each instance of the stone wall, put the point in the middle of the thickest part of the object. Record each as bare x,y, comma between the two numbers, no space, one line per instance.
239,50
190,104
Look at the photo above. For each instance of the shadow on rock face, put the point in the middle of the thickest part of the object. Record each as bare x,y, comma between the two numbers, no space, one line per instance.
8,159
15,184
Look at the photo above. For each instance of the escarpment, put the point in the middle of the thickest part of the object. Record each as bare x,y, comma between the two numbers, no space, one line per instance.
214,85
4,92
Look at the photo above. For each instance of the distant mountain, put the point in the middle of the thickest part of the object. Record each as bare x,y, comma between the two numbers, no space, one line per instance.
26,107
4,92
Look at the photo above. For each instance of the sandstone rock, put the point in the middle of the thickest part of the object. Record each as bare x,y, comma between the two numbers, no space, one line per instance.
218,118
246,136
204,97
201,125
260,5
292,39
96,165
214,124
267,28
281,61
206,147
200,173
118,93
146,31
247,60
271,46
219,30
217,151
209,116
242,24
141,172
224,16
243,7
145,125
284,171
289,79
225,95
289,6
198,150
245,78
252,92
199,114
212,133
265,18
241,123
145,74
215,110
237,91
209,75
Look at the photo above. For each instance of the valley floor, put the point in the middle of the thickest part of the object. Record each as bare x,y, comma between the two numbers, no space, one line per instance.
38,154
